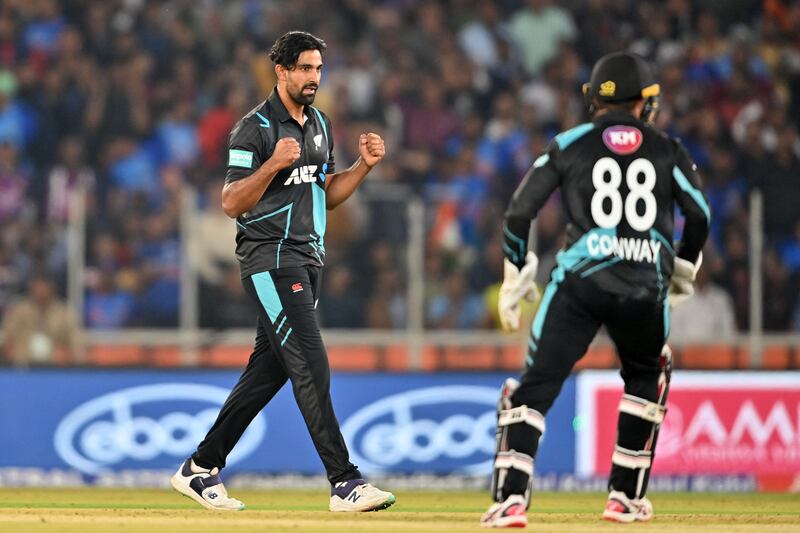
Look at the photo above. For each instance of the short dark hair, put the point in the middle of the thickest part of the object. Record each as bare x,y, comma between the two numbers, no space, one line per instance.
291,44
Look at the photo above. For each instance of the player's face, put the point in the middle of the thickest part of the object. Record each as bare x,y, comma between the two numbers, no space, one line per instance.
302,81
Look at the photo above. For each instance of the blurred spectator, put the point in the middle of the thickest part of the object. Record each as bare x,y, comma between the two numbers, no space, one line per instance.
386,306
109,304
215,126
736,274
11,278
41,329
537,29
14,182
457,307
480,37
789,250
41,35
177,134
779,180
69,176
781,291
213,244
16,122
225,304
705,317
430,121
158,256
340,305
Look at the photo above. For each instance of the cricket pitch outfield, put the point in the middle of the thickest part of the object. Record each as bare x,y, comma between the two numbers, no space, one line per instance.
88,510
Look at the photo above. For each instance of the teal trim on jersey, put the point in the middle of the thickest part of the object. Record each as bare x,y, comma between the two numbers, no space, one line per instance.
520,242
655,235
600,266
264,120
285,236
528,361
322,123
281,324
267,294
582,263
549,292
571,258
512,253
541,160
666,317
692,191
320,214
286,336
262,217
286,231
565,138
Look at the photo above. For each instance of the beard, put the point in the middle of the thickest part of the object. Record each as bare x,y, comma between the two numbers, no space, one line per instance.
304,99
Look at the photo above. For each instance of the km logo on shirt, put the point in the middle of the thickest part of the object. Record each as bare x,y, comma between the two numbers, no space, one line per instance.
306,174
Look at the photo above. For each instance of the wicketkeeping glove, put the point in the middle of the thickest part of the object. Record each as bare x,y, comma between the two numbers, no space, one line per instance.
517,284
681,287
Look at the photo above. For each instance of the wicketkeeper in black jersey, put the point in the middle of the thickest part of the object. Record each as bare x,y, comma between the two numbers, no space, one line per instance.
620,178
280,181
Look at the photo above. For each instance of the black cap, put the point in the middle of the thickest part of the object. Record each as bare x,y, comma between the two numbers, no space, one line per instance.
621,77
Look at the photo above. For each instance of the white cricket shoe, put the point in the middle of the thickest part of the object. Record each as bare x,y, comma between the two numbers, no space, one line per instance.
356,495
204,486
620,508
510,513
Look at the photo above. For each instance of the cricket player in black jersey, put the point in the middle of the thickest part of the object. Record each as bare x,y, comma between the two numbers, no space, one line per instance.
280,181
619,179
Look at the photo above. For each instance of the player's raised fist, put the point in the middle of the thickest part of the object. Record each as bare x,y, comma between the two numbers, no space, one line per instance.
287,151
371,148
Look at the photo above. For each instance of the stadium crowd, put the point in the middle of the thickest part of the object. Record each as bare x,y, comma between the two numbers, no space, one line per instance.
132,101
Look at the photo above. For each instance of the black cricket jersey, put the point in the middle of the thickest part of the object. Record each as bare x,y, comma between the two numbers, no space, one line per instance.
286,228
619,179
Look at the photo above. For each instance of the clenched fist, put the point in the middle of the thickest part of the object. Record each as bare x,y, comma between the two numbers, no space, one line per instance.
371,148
287,151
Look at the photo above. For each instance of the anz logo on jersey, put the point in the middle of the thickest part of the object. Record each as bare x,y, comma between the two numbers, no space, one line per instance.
304,174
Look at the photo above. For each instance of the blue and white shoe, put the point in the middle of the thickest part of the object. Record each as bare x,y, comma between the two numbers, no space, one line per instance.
356,495
204,486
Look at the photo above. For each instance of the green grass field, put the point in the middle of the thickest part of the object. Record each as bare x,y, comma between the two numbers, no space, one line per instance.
94,510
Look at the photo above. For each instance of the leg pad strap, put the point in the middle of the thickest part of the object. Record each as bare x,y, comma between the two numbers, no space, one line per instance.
641,408
521,415
641,459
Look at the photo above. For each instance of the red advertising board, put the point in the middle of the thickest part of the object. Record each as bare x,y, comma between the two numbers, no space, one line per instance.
717,423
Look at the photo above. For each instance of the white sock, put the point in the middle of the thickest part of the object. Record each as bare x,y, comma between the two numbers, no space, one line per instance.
196,469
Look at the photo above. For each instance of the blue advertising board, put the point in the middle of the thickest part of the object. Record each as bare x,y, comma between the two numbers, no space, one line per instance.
99,421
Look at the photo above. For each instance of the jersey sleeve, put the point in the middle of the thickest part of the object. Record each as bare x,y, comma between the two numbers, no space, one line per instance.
687,190
537,185
246,151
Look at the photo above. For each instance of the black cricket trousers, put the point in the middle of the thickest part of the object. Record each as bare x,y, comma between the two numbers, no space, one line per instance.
288,346
570,314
